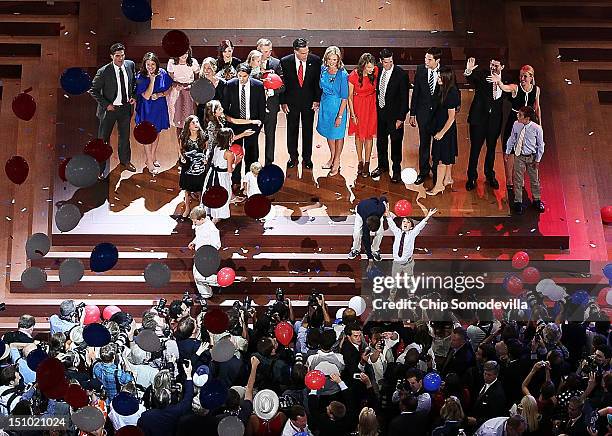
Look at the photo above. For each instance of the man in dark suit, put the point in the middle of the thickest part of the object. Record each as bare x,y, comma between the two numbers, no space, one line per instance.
301,72
422,106
491,401
270,64
409,421
114,88
391,107
461,356
244,104
485,120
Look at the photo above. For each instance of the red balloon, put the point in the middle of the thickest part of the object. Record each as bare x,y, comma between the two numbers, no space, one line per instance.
606,214
17,169
145,133
403,208
56,392
109,311
237,149
498,313
129,430
51,379
284,333
607,311
24,106
514,285
530,275
226,276
175,43
92,314
605,297
76,396
98,149
520,260
257,206
216,321
215,196
61,169
314,379
272,81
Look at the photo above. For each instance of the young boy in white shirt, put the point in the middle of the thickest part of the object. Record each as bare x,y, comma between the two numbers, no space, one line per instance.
206,233
249,184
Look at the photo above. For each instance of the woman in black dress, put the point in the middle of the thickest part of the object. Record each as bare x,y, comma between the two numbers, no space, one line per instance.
444,149
193,161
226,63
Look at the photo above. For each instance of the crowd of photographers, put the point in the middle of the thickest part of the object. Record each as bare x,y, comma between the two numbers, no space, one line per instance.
497,377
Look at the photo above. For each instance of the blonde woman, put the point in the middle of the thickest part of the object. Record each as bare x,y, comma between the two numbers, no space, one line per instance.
452,417
254,61
526,93
528,409
208,71
333,108
368,423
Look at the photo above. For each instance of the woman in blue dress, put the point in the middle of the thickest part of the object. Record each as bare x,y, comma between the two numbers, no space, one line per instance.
151,103
332,110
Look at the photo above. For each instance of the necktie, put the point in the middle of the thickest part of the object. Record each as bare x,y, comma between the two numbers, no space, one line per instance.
124,99
401,247
301,74
483,390
519,143
242,102
494,91
432,82
383,89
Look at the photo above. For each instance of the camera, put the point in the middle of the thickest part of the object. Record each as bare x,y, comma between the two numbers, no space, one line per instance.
313,299
161,308
590,365
403,385
280,295
187,299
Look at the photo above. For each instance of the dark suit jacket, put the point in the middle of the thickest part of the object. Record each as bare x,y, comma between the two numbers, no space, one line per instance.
409,423
460,361
257,99
491,404
422,102
512,376
273,102
483,106
294,95
104,87
396,95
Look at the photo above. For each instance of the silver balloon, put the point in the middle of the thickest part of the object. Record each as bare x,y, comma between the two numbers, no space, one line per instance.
223,350
202,91
157,274
33,278
67,217
71,271
230,426
37,246
89,419
82,171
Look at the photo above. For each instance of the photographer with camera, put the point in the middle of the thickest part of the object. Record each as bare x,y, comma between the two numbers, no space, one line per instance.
598,363
412,384
179,310
67,318
108,372
274,370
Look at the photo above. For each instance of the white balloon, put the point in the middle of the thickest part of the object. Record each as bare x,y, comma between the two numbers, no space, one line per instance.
230,426
37,246
71,271
358,304
409,176
339,312
157,274
33,278
557,293
609,297
223,350
67,217
82,171
545,285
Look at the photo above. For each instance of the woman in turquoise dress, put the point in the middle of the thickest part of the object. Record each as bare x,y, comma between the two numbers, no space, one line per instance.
152,86
331,123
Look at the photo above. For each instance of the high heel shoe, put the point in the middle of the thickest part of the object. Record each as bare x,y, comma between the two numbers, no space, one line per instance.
333,173
327,166
435,191
365,173
449,183
156,164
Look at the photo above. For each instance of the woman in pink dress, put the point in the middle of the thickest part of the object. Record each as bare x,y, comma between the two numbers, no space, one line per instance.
362,107
183,70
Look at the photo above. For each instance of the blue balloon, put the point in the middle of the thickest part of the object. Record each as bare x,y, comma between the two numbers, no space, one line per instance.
35,358
607,270
270,179
374,272
137,10
96,335
580,298
432,382
103,257
213,394
75,81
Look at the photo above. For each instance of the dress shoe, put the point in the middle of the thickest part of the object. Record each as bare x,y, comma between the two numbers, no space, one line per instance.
379,172
493,183
308,165
518,208
365,172
539,206
129,166
470,185
353,254
420,179
396,178
376,256
291,164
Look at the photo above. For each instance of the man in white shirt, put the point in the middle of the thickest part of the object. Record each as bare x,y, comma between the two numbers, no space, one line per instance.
503,426
297,422
206,233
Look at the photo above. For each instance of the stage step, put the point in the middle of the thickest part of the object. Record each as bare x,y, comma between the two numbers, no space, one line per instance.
20,50
10,71
553,34
39,8
605,97
554,14
595,76
28,29
585,54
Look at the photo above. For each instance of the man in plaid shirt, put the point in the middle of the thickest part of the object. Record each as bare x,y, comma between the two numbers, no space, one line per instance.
109,374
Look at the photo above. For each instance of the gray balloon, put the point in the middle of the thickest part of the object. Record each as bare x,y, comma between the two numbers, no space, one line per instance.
33,278
88,419
230,426
82,171
223,350
157,274
67,217
207,260
71,271
37,246
202,91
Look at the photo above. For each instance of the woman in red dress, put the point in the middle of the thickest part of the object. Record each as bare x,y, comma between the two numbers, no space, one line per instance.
362,106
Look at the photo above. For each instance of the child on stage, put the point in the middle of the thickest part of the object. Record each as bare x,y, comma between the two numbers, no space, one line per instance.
206,233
